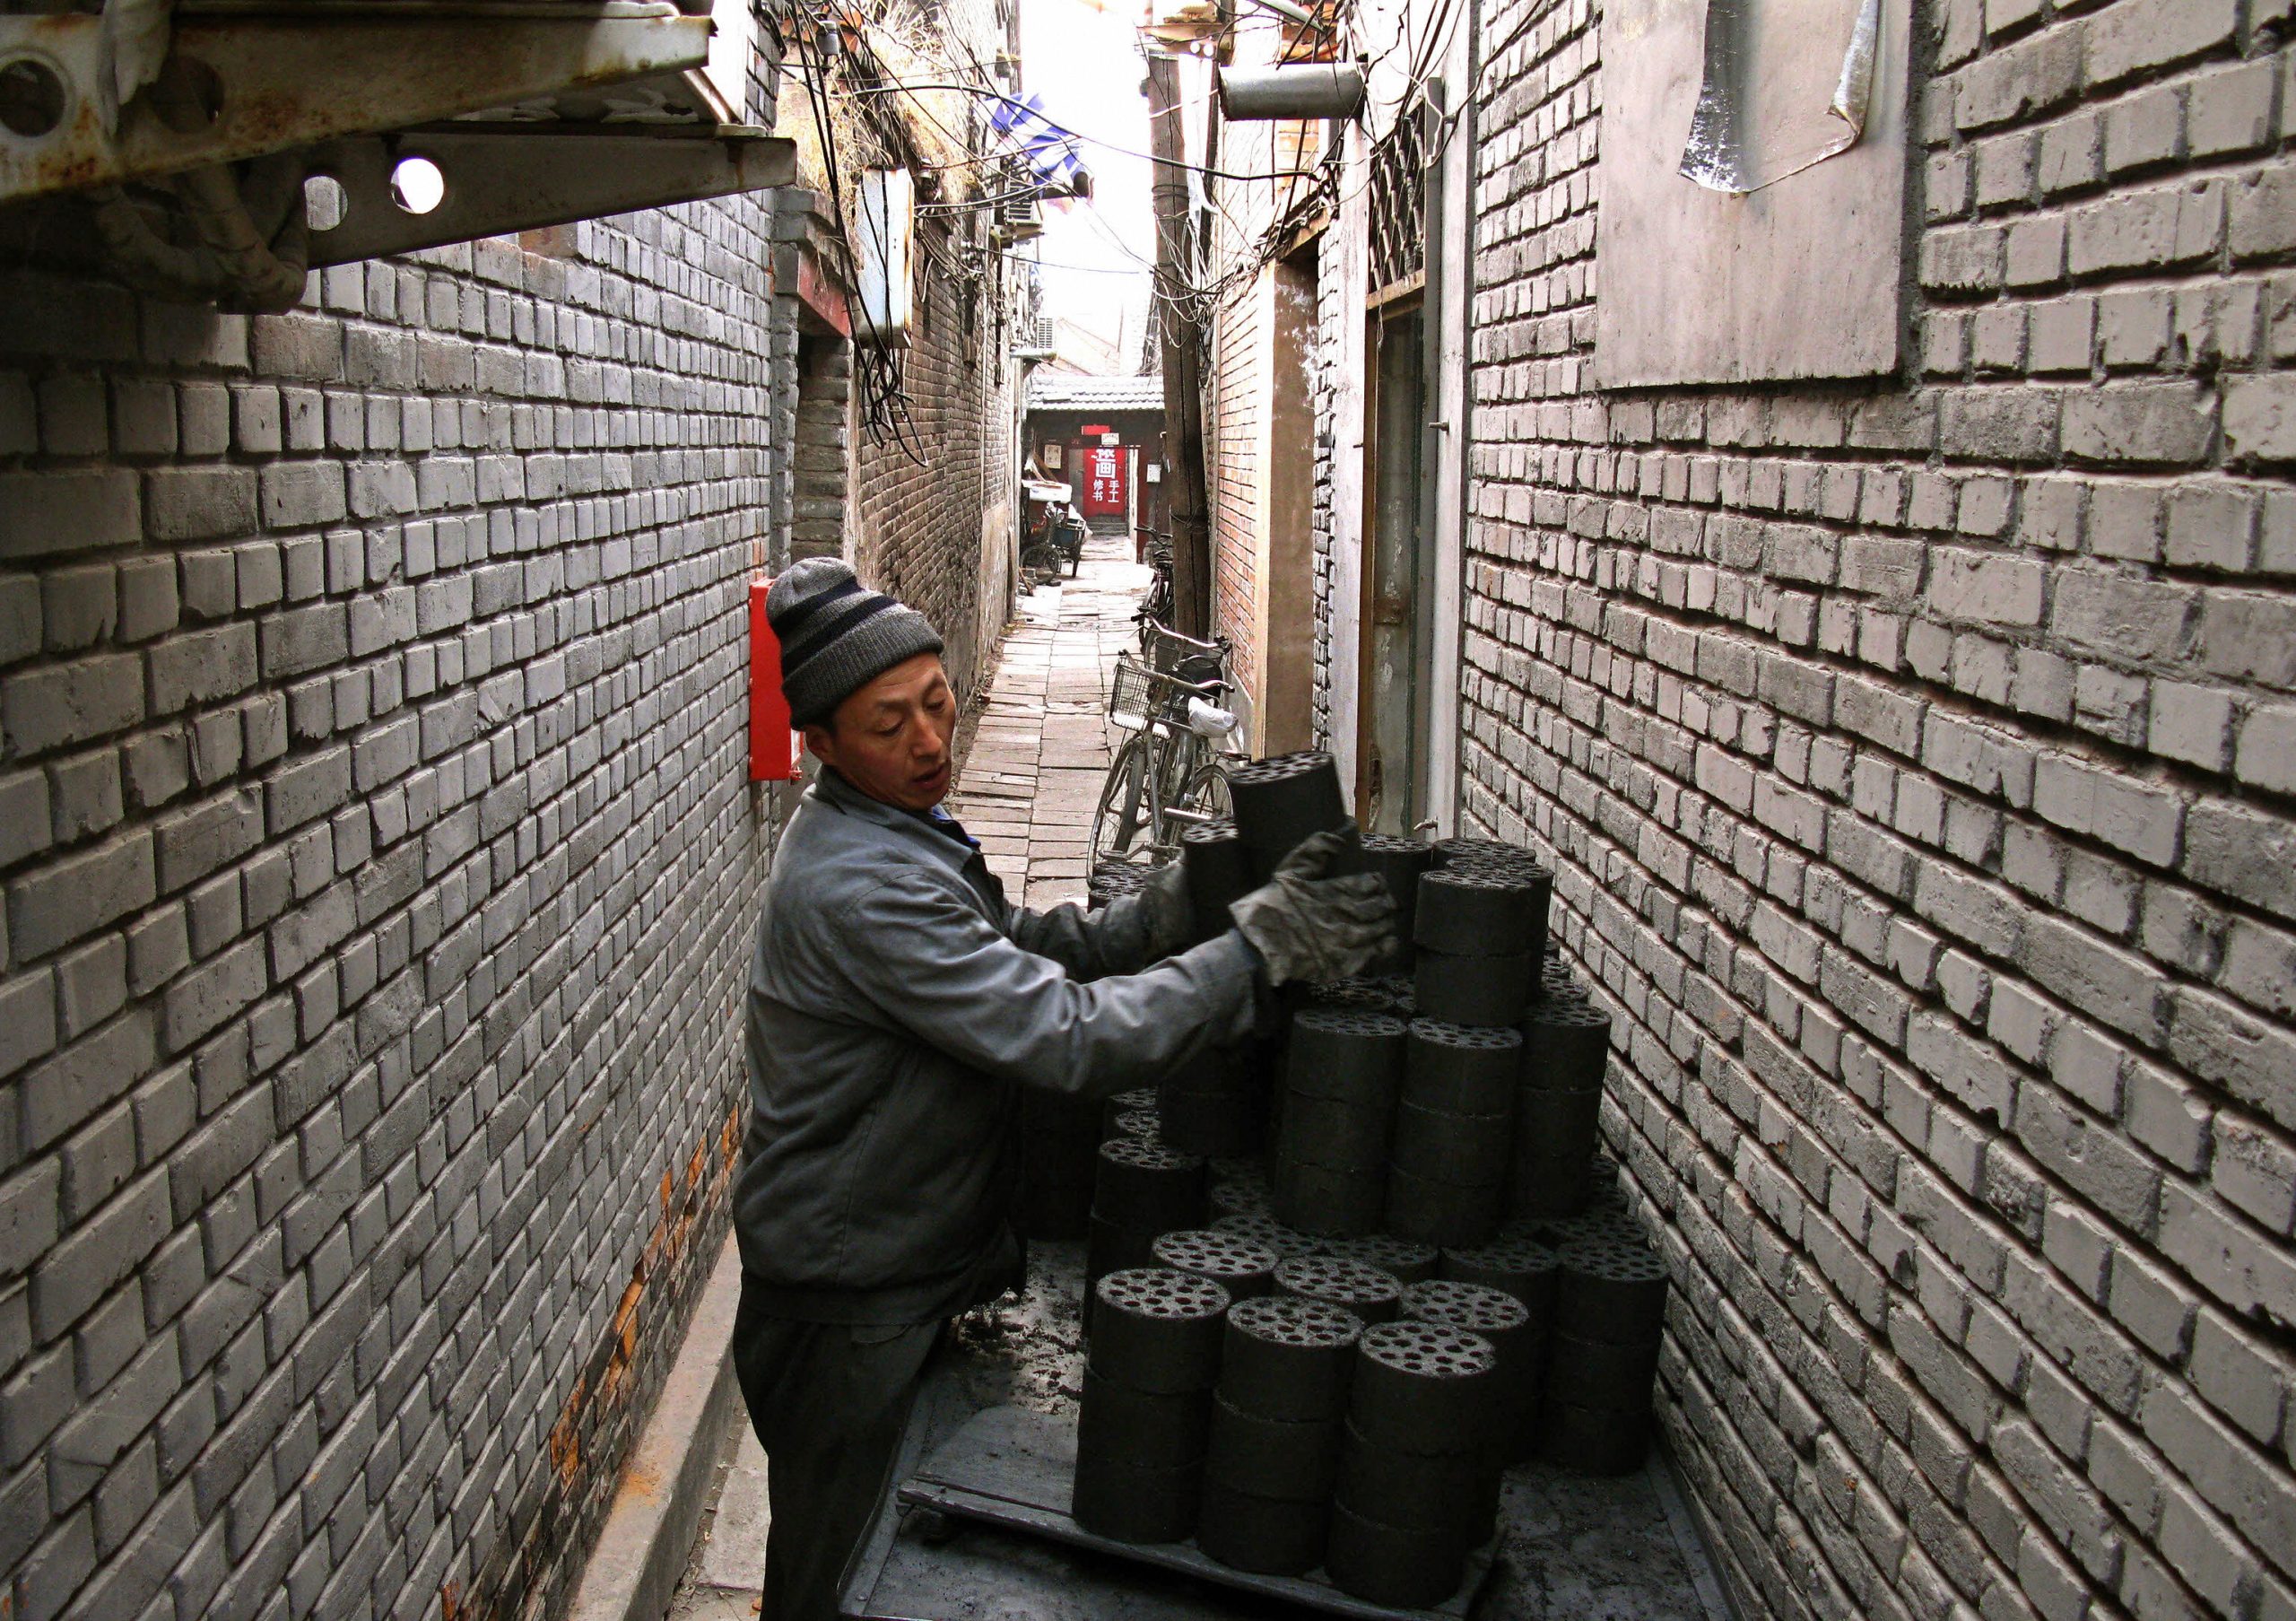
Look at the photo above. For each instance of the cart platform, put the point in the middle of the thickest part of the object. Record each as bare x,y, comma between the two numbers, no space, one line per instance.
1570,1547
1011,1467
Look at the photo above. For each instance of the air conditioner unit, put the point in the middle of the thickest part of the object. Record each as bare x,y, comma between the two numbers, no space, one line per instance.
1022,216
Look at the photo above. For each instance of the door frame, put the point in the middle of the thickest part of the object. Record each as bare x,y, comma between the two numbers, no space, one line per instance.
1389,791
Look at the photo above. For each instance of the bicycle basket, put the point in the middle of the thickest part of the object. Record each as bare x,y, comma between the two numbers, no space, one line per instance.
1132,695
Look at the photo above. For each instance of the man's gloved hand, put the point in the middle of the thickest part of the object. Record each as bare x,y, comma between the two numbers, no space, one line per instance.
1166,911
1308,927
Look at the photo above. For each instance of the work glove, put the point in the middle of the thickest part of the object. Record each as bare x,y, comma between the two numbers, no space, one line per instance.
1308,927
1166,911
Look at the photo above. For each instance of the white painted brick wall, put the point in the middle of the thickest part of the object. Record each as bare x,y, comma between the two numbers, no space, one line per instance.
1914,759
376,880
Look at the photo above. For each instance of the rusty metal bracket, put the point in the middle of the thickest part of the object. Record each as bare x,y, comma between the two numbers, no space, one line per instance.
510,177
275,78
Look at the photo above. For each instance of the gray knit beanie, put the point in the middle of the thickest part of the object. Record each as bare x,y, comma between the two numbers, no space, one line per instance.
837,636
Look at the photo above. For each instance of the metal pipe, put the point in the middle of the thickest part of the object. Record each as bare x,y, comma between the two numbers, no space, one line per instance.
1298,16
1299,90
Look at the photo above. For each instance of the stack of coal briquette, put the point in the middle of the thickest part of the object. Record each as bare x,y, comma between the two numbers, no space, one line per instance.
1371,1293
1242,1265
1495,1112
1218,871
1112,879
1480,932
1455,1131
1517,1340
1142,1190
1279,801
1343,1073
1482,890
1146,1413
1130,1114
1601,1359
1255,1224
1565,1039
1523,1268
1471,1356
1418,1487
1219,1107
1434,1175
1276,1420
1406,1260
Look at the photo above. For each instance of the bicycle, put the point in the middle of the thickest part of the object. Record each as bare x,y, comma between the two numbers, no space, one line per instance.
1156,607
1059,545
1167,775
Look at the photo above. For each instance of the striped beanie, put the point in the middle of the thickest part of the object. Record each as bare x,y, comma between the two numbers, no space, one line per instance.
837,636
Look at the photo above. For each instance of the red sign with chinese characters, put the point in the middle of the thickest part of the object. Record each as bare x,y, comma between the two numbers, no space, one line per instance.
1102,471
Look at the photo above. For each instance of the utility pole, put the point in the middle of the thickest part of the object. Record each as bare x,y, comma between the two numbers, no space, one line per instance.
1183,357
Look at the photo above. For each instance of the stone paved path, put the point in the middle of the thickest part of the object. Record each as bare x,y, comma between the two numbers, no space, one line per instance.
1030,781
1027,783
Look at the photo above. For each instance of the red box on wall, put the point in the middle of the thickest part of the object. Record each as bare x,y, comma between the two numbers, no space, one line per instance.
773,747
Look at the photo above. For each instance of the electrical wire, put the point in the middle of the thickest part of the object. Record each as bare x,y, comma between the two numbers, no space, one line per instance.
1182,290
876,370
1088,269
995,95
1246,251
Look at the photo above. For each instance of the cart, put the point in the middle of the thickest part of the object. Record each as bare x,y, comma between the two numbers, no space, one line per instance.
1053,534
973,1524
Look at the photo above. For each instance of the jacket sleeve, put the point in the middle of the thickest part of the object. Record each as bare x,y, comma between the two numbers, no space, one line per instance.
1090,945
934,964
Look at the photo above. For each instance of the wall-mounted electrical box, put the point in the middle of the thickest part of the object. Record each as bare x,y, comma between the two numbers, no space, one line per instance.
884,244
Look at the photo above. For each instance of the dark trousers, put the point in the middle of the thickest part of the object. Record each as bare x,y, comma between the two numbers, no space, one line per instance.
828,1402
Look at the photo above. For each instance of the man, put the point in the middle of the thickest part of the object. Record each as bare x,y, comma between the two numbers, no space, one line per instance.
896,1003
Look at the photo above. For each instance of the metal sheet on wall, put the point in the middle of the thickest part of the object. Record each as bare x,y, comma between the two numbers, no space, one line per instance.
1798,279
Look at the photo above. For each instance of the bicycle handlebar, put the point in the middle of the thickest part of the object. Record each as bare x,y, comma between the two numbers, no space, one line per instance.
1201,689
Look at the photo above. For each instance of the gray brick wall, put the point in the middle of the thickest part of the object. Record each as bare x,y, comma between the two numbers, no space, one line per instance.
926,501
820,452
376,866
1915,761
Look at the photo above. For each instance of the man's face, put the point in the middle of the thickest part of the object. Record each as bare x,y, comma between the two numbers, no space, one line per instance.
891,738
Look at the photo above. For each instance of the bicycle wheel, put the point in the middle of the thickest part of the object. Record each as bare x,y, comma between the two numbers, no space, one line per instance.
1125,812
1207,791
1042,558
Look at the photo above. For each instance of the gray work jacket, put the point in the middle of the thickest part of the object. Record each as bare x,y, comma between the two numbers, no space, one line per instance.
896,1003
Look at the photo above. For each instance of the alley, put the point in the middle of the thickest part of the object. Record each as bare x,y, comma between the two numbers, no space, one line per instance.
1031,773
1822,533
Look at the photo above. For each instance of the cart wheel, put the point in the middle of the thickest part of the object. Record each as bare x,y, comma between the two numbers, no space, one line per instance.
932,1527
